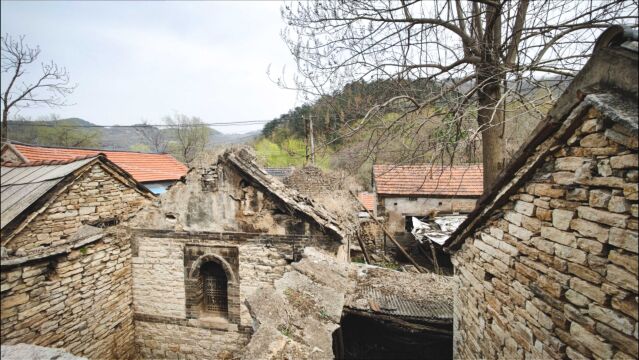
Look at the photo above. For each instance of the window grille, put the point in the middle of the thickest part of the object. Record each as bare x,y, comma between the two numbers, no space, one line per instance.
214,285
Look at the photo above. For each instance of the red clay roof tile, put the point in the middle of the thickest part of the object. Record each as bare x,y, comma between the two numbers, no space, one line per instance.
142,166
367,199
457,180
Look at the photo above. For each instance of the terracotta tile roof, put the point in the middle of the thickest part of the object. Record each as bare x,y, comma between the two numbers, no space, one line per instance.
458,180
143,167
367,199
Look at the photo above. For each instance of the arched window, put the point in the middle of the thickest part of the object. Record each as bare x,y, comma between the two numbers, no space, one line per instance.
214,289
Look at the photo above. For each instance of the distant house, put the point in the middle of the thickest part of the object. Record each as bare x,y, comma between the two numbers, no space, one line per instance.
44,203
405,191
155,171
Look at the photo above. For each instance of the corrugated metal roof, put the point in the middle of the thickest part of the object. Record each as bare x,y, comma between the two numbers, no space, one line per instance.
391,304
279,172
22,186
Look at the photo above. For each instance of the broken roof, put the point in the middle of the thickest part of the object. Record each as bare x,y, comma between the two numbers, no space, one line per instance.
144,167
426,179
23,184
296,203
609,83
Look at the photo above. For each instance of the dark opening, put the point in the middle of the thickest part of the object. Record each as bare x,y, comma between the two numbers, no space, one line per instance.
214,293
366,336
103,223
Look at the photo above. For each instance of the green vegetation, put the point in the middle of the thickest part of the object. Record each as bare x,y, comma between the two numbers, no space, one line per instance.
72,132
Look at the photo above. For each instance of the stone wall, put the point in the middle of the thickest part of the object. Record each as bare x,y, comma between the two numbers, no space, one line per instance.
96,195
555,274
311,181
78,300
159,290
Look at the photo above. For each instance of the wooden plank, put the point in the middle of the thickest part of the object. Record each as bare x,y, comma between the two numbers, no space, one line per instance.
361,244
400,247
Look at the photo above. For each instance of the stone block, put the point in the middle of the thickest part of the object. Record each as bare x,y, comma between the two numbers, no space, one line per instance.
631,191
547,190
602,217
591,341
513,217
585,273
577,194
570,253
599,198
525,208
561,218
543,214
622,278
618,204
591,246
576,298
519,232
627,344
570,163
86,210
531,223
544,245
624,239
587,289
590,229
625,260
564,177
595,140
628,161
558,236
603,167
611,318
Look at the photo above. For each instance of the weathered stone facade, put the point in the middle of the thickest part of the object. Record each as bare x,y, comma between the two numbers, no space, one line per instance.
552,270
75,298
233,216
98,194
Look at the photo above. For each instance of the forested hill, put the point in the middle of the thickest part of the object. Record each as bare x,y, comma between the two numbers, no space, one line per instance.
331,112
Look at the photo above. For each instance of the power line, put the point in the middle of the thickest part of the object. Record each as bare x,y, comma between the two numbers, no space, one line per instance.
230,123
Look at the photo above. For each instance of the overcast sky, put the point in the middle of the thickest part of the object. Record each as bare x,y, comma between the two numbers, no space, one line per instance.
144,60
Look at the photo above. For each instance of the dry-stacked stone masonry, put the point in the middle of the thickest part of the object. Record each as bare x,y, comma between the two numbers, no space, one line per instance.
97,195
207,246
547,264
75,297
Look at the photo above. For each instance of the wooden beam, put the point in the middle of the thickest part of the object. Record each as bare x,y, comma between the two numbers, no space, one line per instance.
361,244
400,247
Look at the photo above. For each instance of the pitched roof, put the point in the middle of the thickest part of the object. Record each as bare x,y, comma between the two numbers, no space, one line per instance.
296,203
612,66
144,167
425,179
23,184
367,199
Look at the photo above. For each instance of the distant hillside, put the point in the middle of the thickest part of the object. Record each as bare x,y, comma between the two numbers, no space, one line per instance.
78,132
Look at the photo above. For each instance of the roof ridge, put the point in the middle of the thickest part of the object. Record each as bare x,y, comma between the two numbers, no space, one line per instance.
49,162
81,148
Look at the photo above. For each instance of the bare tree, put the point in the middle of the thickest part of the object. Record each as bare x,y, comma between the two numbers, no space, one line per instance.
49,88
190,134
489,62
152,136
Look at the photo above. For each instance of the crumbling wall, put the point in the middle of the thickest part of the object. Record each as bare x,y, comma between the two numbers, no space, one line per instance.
311,180
159,288
555,274
78,300
96,195
217,199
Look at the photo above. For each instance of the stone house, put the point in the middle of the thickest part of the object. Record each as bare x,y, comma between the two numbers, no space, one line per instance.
65,270
155,171
46,202
546,264
404,191
208,244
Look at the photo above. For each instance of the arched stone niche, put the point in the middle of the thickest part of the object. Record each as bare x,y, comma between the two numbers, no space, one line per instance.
195,258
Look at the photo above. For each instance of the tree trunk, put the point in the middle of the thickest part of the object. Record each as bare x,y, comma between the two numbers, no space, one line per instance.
5,124
491,116
491,120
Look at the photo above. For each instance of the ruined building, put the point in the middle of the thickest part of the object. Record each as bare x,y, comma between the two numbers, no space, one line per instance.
546,264
208,245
